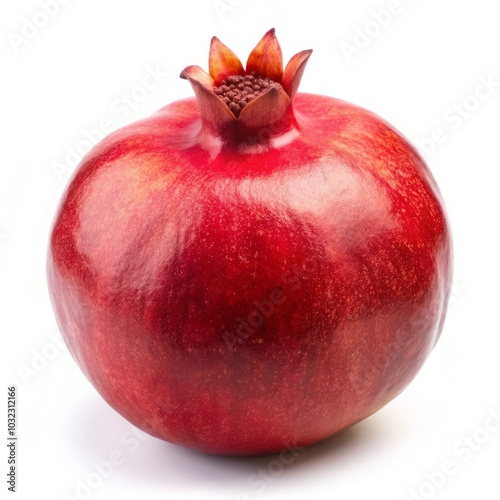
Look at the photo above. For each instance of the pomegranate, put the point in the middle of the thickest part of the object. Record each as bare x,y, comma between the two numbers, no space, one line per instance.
253,269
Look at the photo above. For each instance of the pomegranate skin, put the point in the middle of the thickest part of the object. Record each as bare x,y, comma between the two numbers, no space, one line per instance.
248,298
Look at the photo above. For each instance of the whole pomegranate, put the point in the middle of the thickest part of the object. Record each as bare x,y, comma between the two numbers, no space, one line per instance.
254,269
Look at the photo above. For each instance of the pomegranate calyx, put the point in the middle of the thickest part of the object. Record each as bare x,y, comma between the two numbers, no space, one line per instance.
263,83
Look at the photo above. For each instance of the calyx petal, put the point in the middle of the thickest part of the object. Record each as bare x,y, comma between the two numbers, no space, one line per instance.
195,73
212,110
266,58
294,71
223,62
266,109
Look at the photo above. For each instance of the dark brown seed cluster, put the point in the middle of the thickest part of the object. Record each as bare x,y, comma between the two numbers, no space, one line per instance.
237,91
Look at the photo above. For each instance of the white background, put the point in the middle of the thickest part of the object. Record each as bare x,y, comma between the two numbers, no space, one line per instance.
61,80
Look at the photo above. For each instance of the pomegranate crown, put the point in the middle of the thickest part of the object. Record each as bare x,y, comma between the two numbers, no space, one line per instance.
254,96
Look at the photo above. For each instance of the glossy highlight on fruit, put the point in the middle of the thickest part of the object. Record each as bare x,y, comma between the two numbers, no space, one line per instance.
253,269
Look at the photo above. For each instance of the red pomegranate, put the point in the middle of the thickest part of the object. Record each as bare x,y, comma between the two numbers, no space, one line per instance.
252,270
